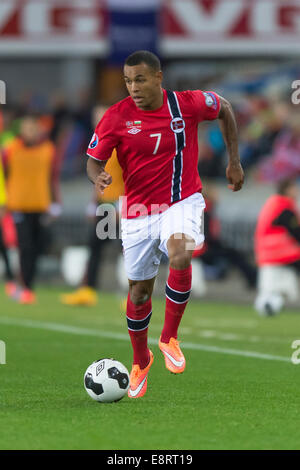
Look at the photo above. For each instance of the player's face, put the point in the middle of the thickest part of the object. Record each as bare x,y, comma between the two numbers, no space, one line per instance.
144,86
292,191
30,130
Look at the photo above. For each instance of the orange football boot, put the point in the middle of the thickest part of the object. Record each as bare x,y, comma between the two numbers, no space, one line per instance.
27,297
85,295
10,288
174,359
138,379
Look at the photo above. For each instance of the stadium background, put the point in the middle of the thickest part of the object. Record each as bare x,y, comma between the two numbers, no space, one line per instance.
70,54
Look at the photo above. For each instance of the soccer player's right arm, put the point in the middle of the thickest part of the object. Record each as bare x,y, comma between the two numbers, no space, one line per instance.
104,140
97,174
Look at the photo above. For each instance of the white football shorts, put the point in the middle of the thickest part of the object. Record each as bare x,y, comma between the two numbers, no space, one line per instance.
145,238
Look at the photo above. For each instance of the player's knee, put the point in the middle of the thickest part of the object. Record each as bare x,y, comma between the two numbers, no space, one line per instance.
180,260
139,294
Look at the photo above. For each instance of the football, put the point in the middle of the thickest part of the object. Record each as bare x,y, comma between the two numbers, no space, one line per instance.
106,380
269,305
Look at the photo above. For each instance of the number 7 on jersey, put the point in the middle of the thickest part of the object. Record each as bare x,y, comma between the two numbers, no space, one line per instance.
157,142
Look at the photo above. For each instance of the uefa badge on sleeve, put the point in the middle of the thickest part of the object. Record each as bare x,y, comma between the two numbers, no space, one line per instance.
210,100
94,141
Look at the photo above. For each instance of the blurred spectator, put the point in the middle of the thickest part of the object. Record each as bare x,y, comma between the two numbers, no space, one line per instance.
211,150
285,160
277,249
258,135
71,132
32,171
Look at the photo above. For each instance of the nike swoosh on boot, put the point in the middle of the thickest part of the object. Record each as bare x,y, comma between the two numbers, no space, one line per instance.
176,363
135,392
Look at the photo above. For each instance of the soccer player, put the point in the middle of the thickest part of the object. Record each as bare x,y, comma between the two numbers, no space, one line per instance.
32,192
155,134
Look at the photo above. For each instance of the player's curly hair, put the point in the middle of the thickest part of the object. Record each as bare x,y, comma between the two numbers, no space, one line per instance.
147,57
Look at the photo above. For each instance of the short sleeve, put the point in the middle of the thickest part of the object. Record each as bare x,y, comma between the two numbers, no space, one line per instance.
104,139
207,105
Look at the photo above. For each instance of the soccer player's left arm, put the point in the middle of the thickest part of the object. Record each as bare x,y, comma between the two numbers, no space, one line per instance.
228,126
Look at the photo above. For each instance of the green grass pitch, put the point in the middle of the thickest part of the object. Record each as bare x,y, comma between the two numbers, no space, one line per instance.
239,391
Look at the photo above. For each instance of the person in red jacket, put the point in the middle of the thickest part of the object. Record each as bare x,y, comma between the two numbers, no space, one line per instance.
277,248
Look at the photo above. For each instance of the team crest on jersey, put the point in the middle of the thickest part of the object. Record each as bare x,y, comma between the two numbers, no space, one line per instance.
210,100
177,125
94,141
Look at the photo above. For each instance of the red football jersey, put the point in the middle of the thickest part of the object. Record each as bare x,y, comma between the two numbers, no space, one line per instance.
157,150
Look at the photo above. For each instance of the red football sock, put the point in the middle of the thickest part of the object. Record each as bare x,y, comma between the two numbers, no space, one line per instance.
177,295
138,318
